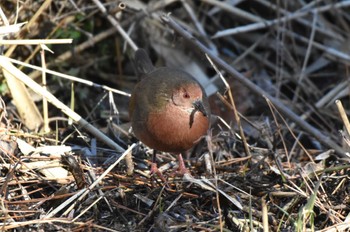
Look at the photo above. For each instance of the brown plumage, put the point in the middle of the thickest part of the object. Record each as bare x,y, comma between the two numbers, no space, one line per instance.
169,110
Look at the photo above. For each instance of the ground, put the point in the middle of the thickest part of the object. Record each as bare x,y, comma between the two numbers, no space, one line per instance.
276,155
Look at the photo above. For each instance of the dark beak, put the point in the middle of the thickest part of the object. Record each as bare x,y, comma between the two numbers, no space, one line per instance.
198,106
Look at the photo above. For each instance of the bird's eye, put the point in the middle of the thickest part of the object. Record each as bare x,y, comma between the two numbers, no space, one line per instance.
186,95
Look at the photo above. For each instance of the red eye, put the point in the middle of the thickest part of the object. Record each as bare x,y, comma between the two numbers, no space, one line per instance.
186,95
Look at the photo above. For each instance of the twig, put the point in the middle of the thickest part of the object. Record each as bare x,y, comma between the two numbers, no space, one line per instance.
35,41
343,115
115,23
69,77
199,26
77,49
10,68
11,28
321,30
234,10
302,74
233,106
24,103
83,192
268,23
45,104
342,56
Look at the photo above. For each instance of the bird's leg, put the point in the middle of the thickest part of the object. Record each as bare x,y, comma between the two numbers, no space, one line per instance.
154,167
182,168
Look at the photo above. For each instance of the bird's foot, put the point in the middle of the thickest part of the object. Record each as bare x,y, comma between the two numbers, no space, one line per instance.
155,171
182,170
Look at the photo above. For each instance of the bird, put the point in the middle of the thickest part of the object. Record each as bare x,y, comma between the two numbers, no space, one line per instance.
168,109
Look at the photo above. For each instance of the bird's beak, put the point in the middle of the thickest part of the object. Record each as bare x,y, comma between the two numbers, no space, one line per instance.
198,105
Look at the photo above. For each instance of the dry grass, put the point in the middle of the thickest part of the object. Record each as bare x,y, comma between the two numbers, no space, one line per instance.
274,160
